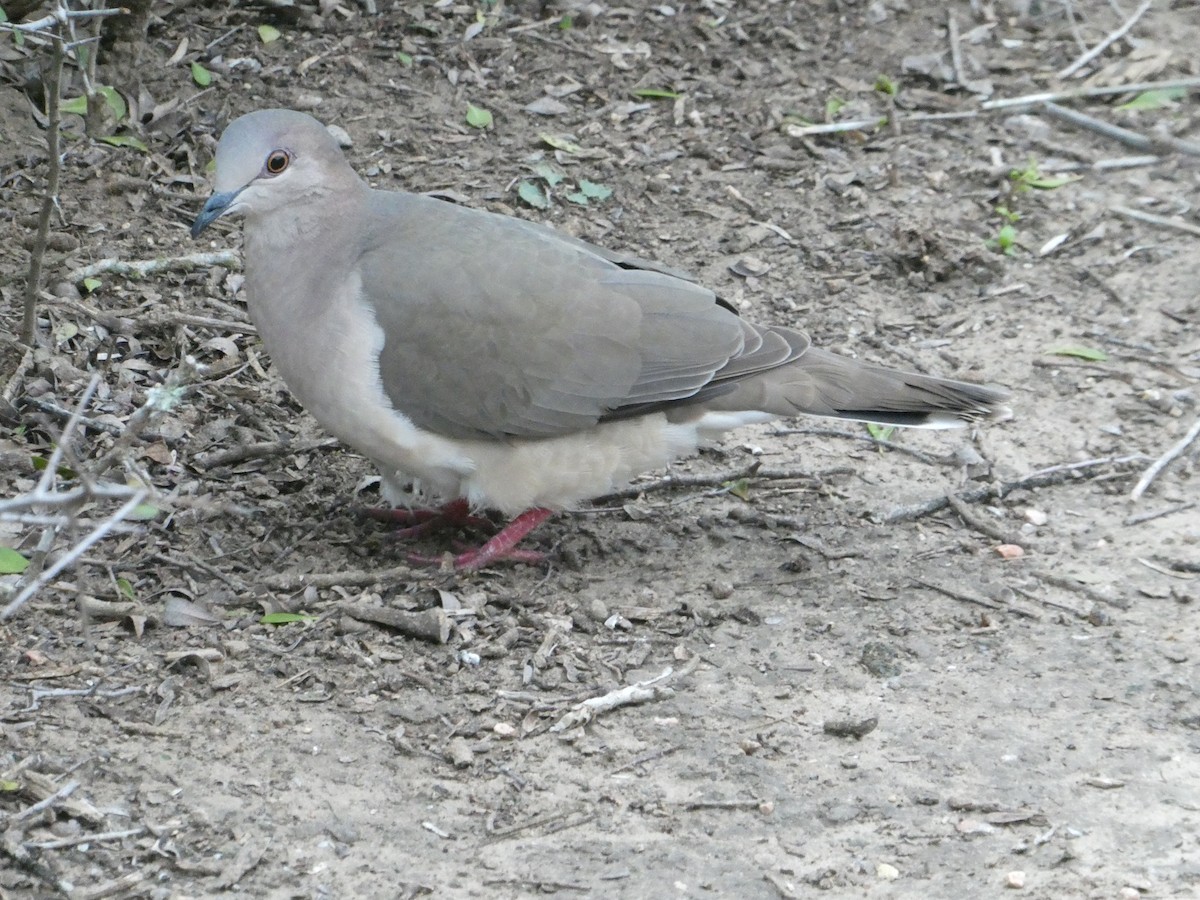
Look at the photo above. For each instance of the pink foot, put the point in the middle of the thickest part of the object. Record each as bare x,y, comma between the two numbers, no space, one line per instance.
419,522
503,546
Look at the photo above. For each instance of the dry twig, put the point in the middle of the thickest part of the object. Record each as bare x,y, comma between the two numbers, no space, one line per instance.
641,692
143,267
1108,41
1173,452
956,594
1040,478
979,523
1117,133
1161,221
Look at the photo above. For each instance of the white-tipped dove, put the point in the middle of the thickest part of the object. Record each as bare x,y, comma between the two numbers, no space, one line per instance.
498,363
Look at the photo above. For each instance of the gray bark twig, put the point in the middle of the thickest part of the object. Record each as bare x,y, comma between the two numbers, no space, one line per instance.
1108,41
1172,453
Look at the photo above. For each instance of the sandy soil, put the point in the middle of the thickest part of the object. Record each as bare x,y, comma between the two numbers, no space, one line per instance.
860,694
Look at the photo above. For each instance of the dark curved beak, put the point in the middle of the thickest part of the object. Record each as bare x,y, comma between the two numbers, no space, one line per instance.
215,208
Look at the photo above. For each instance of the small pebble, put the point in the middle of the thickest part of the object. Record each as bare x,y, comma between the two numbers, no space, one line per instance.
1015,880
1036,516
887,872
340,135
459,753
595,609
720,590
1129,893
975,826
504,729
855,728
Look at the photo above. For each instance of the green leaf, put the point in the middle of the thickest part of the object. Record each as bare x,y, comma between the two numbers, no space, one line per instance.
143,512
565,23
833,106
1005,240
201,75
880,432
533,195
1079,353
7,786
40,463
548,173
125,140
12,562
76,106
655,94
1008,215
285,618
91,284
478,117
125,587
885,85
740,488
578,197
594,191
559,143
1161,98
1047,183
405,59
114,101
268,34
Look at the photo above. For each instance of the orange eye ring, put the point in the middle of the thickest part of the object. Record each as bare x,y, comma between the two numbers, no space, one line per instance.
277,162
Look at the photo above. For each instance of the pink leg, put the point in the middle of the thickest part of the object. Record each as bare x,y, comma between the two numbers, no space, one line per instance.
501,546
454,514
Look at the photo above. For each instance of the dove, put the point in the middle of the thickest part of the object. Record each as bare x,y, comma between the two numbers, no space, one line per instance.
495,363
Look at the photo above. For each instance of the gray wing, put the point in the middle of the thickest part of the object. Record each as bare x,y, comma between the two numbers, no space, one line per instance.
496,327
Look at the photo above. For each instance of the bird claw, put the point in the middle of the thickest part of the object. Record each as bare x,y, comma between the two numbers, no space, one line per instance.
420,522
500,548
473,560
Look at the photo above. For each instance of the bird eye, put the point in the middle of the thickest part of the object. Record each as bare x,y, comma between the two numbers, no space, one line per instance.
277,162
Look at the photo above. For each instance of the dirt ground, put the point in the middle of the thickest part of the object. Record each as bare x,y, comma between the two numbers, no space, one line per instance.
863,692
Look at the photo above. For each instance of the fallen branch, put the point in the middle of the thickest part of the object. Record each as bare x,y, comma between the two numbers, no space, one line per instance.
78,839
796,130
1108,41
963,596
642,692
1040,478
1077,93
1068,584
980,524
674,482
1141,518
42,805
291,581
260,450
1161,221
1173,452
73,554
1117,133
141,268
1104,165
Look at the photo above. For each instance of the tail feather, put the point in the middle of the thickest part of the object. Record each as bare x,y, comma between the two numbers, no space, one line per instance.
821,383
